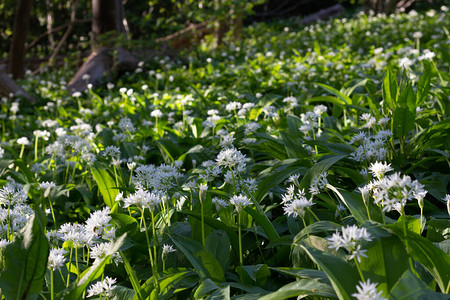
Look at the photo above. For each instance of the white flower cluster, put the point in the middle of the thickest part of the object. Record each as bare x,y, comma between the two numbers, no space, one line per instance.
368,291
349,239
295,204
56,259
102,288
143,199
371,148
231,158
240,201
393,191
161,178
318,183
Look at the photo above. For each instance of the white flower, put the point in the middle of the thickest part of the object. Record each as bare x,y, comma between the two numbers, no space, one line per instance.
4,243
102,288
98,221
156,113
368,291
219,203
231,158
349,239
240,201
297,207
47,184
167,249
56,259
378,169
23,141
447,201
318,183
143,199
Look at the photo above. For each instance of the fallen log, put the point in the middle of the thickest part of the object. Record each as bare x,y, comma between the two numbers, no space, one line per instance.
323,14
102,65
8,87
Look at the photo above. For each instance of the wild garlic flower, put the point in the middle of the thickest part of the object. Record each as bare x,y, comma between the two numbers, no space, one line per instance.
219,203
309,122
4,243
161,178
378,169
368,119
349,239
143,199
98,222
126,125
12,194
47,184
77,234
102,288
318,183
393,191
56,259
295,204
231,158
240,201
368,291
251,128
99,251
44,134
23,141
113,152
447,202
166,250
371,148
227,141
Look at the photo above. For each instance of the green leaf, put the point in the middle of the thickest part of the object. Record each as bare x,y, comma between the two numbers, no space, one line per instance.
345,99
425,252
218,244
386,259
132,276
75,291
334,267
204,288
304,273
423,86
26,260
405,113
302,287
204,263
125,223
221,294
390,90
354,203
218,225
319,167
317,227
262,220
122,293
409,287
278,173
254,274
106,185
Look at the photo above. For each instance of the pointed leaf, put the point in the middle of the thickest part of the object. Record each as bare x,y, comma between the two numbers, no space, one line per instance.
106,185
302,287
409,287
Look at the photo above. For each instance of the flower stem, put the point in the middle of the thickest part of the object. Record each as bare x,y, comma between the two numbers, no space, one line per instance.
203,223
359,269
52,291
240,239
53,213
69,267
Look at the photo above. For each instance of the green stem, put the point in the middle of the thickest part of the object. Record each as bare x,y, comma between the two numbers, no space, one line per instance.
155,239
240,239
359,269
152,263
203,223
405,232
21,151
53,213
69,267
36,150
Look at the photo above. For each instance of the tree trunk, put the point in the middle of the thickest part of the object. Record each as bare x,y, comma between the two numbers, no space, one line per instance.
107,16
106,59
16,65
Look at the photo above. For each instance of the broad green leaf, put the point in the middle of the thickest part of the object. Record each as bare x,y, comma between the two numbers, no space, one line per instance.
126,223
302,287
132,276
390,90
254,274
174,280
122,293
205,288
293,148
405,113
26,260
318,168
317,227
219,225
204,263
106,185
221,294
335,92
409,287
262,220
218,243
304,273
425,252
278,173
386,259
423,86
334,267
